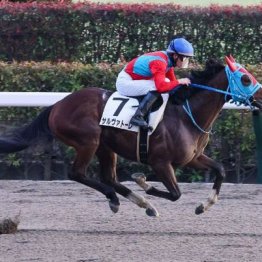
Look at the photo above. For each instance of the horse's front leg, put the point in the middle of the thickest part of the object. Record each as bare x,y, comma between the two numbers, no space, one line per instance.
204,162
166,174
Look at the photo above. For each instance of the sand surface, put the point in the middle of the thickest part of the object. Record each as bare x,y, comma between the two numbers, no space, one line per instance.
66,221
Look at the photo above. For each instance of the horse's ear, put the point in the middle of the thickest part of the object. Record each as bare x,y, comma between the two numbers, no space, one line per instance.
230,64
232,59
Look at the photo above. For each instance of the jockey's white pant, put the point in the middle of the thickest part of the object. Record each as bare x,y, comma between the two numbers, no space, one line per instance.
126,86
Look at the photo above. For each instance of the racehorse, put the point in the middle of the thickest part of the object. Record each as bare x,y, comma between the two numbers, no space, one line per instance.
178,141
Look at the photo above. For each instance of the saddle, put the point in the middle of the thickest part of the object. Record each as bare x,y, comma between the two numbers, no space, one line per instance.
118,111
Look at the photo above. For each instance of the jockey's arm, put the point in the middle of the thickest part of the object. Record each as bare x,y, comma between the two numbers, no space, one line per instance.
170,74
158,70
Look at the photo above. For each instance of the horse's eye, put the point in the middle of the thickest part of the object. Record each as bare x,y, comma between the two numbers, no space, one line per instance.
245,79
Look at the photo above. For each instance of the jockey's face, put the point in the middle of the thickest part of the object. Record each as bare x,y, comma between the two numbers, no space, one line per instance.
181,61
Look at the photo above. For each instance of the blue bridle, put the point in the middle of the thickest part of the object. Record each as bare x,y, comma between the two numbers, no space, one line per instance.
239,93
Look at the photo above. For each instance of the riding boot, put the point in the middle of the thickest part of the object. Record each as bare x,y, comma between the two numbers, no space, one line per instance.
143,109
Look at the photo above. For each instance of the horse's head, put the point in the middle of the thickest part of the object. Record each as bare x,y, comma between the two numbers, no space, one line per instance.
243,86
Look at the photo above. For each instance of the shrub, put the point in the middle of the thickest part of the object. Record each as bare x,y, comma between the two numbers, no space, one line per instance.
92,33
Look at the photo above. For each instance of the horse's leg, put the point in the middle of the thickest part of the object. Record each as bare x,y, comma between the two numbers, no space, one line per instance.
78,127
107,160
204,162
78,174
166,174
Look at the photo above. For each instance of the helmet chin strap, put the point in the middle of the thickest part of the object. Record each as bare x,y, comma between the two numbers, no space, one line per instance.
171,57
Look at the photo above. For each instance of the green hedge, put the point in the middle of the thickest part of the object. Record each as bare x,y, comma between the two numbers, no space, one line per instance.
233,141
50,77
92,33
56,77
67,77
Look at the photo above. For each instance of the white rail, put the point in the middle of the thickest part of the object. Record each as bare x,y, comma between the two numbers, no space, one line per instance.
30,99
42,99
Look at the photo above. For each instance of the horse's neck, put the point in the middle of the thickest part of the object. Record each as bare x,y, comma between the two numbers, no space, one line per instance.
206,105
206,109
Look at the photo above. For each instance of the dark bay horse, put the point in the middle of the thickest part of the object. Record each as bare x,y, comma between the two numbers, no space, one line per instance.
178,141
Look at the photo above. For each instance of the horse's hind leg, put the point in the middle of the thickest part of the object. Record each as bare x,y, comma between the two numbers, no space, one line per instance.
78,174
107,160
204,162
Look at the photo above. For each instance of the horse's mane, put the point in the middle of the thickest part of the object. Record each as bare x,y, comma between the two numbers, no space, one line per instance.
212,67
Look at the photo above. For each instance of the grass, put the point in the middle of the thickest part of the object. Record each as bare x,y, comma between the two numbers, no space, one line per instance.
188,2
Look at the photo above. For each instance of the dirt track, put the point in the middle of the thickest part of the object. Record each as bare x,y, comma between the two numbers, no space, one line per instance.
65,221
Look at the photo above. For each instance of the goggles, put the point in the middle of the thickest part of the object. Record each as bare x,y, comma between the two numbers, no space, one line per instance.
184,60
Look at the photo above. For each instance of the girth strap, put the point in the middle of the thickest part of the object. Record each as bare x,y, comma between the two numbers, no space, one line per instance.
143,145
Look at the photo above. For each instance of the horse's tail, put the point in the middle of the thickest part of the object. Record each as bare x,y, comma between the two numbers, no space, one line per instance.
23,137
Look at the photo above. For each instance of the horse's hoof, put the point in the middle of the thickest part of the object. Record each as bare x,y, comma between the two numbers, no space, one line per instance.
200,209
139,177
114,207
152,212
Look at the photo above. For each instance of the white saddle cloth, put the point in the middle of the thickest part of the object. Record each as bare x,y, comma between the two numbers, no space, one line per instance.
119,110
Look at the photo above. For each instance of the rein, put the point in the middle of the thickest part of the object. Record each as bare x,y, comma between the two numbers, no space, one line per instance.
189,112
226,93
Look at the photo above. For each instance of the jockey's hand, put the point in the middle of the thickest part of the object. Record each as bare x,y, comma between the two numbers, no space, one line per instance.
184,81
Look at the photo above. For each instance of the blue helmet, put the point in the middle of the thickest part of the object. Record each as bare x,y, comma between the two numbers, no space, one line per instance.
180,46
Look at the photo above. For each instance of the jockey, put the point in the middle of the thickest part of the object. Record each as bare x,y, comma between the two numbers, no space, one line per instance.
152,74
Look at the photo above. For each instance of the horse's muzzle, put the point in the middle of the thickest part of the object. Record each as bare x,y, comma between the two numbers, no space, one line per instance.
256,103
